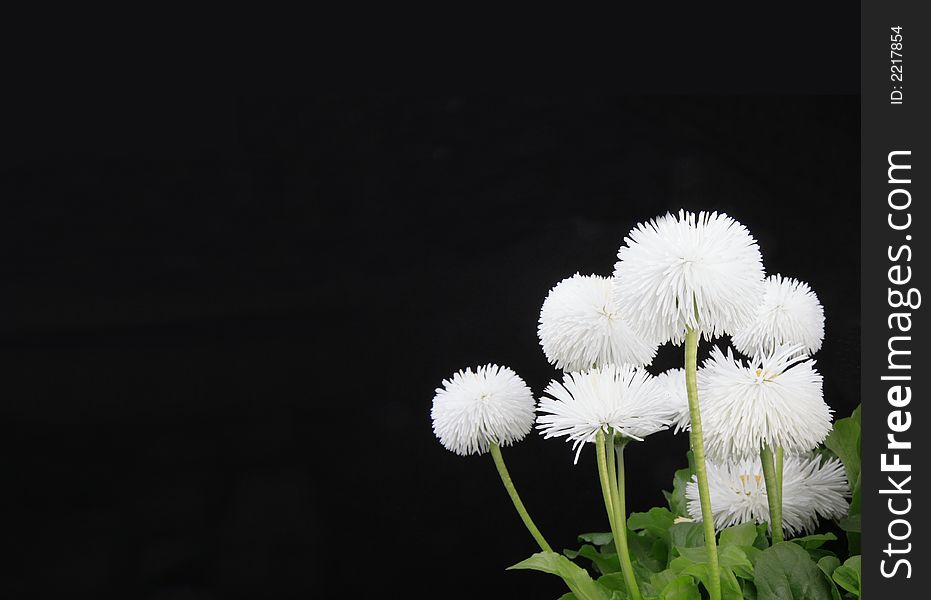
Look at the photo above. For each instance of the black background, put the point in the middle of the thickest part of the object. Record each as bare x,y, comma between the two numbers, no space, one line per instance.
224,321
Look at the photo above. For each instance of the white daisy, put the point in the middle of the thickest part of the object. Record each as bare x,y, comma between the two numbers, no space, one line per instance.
775,399
623,397
790,314
701,272
673,381
809,490
581,327
475,409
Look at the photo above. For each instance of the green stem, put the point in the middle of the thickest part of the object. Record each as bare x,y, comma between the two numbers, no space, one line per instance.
609,490
780,454
603,477
515,498
620,518
698,454
772,492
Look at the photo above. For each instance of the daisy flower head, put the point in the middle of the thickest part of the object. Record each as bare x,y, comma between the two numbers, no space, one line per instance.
776,400
623,397
810,489
701,272
581,327
790,314
491,405
673,381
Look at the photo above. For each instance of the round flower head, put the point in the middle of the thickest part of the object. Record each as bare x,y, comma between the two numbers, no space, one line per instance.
810,490
688,272
673,381
473,410
581,328
775,400
623,397
790,314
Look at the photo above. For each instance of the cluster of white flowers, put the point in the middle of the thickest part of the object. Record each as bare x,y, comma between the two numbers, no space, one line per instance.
810,488
675,274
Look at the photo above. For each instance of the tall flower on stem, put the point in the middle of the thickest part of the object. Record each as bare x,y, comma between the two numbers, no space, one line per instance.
678,277
789,314
478,412
581,327
769,405
608,406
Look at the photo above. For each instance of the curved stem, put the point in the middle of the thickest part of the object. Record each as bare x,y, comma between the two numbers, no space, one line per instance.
698,453
772,493
620,518
515,498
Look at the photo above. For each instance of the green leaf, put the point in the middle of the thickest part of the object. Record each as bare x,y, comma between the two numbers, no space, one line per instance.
577,578
817,554
729,556
810,542
614,582
567,596
648,550
681,588
848,575
752,552
851,523
844,441
686,535
739,535
604,562
730,587
786,572
660,580
748,589
762,536
827,565
678,503
657,521
599,539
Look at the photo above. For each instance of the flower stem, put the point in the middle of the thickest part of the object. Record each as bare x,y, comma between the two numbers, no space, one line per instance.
515,498
698,454
620,519
603,477
773,493
616,517
779,460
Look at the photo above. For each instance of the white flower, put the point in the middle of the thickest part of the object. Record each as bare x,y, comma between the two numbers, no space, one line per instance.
775,400
675,273
581,328
623,397
790,314
673,381
809,490
473,410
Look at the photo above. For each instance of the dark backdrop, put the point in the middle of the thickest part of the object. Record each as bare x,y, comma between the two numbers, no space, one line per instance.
223,322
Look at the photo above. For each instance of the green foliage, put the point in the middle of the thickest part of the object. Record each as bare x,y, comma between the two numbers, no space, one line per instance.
786,572
847,575
577,578
844,442
680,588
676,499
744,534
670,559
